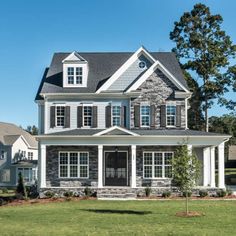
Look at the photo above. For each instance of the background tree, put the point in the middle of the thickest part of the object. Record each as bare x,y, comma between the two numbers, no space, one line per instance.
32,130
195,113
21,189
185,171
204,48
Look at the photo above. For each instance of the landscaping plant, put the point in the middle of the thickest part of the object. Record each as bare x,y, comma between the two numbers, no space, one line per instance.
185,171
21,189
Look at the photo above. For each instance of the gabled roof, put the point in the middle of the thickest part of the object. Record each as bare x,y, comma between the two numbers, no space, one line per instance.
116,130
9,133
102,65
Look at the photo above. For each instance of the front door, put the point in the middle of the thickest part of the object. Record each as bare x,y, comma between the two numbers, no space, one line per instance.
116,168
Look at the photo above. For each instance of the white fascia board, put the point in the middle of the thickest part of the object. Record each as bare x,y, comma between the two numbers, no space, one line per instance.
180,94
161,67
114,128
124,67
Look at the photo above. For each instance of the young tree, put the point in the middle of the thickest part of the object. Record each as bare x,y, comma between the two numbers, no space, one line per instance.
204,48
185,171
21,189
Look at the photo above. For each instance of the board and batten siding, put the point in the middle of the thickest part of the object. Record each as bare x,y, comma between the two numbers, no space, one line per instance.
101,108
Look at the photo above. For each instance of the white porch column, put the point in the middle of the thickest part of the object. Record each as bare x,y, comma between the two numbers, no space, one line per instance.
221,165
133,166
212,167
100,166
190,148
206,166
42,166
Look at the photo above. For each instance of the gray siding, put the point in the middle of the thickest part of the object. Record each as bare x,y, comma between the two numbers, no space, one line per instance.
131,74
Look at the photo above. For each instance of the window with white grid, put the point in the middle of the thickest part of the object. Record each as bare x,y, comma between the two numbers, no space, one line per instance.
87,116
60,116
116,112
145,115
170,115
74,75
73,164
157,165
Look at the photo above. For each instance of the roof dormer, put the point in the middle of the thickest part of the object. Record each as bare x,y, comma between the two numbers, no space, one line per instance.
75,71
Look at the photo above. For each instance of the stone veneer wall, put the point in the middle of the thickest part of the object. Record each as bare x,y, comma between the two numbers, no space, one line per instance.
140,181
52,167
156,90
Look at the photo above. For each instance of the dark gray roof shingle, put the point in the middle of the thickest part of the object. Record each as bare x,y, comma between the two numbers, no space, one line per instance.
101,67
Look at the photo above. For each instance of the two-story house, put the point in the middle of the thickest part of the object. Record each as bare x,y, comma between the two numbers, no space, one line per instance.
18,153
113,121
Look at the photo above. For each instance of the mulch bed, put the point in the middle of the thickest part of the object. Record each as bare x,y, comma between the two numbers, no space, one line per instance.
190,214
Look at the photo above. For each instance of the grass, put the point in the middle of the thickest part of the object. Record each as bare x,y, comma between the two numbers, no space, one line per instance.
91,217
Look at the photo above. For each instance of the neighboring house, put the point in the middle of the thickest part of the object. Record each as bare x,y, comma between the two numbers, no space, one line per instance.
18,153
113,121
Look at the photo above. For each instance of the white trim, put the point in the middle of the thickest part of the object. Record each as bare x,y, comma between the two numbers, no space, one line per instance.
127,167
68,165
100,166
140,114
150,71
124,67
114,128
153,165
74,53
56,106
221,165
133,166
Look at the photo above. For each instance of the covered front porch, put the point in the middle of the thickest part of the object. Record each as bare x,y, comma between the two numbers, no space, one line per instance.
120,158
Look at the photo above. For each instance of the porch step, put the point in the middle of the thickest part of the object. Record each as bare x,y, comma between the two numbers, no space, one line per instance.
116,193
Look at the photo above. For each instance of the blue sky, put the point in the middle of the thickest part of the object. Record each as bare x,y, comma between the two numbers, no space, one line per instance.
31,31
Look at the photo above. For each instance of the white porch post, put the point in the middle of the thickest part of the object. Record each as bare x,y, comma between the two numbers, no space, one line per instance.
221,165
42,162
212,164
206,166
190,148
100,166
133,166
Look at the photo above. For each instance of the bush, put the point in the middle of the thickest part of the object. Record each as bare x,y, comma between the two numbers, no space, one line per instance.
187,194
148,191
68,194
229,191
21,189
221,193
49,194
4,190
32,191
87,192
166,194
203,193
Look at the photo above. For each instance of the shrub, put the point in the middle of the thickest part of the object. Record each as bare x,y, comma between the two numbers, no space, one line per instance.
87,192
4,190
187,194
21,189
68,194
229,191
32,191
166,194
94,194
203,193
49,194
148,191
221,193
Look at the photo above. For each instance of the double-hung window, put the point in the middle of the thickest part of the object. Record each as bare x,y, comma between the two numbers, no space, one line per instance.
73,164
2,155
30,155
157,165
145,116
116,113
171,115
74,75
60,116
87,116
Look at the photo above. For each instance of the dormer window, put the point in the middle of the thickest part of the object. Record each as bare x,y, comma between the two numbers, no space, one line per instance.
75,71
75,75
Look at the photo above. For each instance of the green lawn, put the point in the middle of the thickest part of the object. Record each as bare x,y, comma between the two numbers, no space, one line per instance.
91,217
